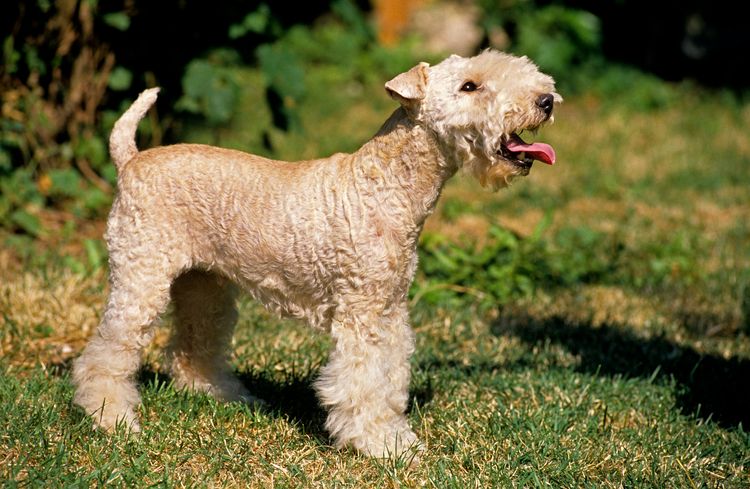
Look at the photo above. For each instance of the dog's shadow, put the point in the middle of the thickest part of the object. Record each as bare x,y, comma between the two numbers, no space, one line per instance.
293,399
708,386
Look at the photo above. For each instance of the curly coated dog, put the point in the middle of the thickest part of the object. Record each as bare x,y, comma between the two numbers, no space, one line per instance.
331,241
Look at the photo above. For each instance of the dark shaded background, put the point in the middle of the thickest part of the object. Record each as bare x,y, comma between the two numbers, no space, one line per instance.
706,41
698,39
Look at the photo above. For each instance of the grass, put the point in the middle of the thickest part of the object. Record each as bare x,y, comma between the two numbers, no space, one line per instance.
622,359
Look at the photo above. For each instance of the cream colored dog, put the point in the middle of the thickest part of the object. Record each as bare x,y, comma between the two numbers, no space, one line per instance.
331,241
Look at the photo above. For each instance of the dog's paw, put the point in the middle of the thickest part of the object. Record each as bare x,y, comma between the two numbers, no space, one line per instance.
110,421
400,445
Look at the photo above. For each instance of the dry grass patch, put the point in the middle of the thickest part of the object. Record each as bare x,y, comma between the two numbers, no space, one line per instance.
48,317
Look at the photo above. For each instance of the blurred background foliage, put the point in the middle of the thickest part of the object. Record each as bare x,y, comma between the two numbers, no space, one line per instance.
70,67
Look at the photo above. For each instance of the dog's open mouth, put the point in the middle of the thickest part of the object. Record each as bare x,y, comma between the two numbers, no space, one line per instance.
518,152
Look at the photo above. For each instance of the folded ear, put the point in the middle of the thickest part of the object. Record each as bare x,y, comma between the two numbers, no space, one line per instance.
409,87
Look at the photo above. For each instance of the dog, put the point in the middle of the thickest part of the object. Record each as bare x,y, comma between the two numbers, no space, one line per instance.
330,241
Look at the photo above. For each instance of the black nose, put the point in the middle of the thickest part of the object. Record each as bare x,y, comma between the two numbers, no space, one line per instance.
546,102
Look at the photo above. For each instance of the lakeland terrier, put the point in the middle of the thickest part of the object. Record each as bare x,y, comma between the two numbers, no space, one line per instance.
331,241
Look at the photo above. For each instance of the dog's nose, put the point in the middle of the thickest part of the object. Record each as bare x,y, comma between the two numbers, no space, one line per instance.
546,102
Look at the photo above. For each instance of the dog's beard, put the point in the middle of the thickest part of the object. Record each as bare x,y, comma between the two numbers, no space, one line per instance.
489,166
494,173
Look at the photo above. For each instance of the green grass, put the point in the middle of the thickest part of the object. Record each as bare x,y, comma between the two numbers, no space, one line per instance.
502,404
620,356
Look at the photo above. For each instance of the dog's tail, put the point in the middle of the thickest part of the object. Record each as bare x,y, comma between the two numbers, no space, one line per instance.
122,146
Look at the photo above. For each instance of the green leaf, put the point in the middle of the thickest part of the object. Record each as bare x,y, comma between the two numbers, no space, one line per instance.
188,104
10,56
74,265
94,253
209,89
5,162
351,14
20,188
94,199
28,222
44,330
65,182
504,238
93,149
256,22
220,103
33,61
120,79
109,173
44,5
118,20
198,78
282,69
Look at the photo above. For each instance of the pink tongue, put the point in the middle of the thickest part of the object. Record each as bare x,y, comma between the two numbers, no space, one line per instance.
539,151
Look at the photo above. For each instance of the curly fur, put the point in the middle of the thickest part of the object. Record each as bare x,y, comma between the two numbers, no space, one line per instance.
329,241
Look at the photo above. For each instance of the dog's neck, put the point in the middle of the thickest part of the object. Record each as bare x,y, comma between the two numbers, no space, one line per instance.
411,163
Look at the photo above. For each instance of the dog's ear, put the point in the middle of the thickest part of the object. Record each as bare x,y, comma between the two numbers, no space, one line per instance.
409,87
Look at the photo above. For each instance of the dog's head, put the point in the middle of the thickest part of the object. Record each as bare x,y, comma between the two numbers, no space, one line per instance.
478,107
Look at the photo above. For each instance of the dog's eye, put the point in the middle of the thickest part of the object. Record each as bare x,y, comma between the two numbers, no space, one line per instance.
469,86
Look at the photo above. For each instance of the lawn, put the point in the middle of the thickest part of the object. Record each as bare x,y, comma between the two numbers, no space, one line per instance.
601,341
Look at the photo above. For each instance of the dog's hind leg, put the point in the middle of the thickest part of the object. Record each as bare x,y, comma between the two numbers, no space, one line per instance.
104,374
205,315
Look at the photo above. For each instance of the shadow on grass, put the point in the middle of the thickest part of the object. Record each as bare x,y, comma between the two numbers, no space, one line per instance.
294,398
297,400
711,387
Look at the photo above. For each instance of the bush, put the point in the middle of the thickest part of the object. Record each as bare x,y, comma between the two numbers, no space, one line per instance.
54,80
508,266
68,72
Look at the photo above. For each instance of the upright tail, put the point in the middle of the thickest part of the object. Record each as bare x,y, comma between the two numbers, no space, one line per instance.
122,146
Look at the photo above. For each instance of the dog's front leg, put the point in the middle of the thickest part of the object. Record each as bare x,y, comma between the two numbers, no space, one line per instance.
365,384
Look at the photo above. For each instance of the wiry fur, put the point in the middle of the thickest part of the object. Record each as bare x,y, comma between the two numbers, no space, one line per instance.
330,241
